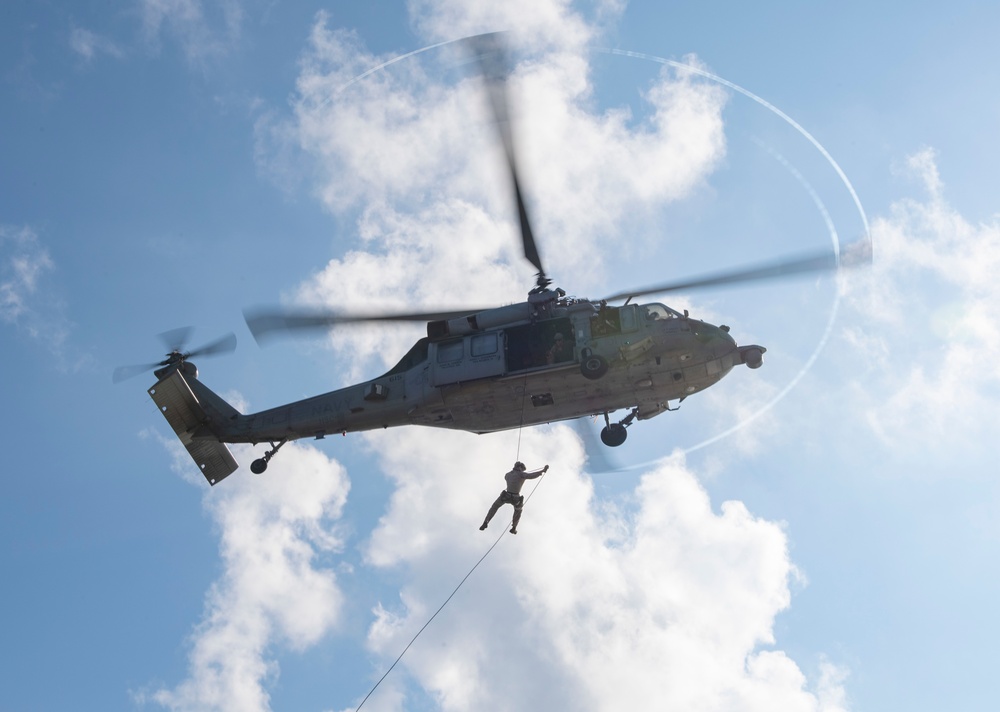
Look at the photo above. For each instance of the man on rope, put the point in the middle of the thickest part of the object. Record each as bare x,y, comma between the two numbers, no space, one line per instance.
512,495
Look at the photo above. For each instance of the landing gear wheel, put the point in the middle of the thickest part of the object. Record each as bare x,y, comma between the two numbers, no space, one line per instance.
614,434
259,465
593,367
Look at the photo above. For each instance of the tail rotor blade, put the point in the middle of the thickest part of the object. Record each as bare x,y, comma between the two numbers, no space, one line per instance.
123,373
226,344
176,339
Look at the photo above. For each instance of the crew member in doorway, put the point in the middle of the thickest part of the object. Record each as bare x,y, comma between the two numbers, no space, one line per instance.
559,351
512,495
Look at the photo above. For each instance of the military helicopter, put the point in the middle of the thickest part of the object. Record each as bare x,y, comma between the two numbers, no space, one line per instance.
549,358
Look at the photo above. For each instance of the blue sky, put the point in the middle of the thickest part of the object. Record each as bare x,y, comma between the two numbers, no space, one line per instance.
170,162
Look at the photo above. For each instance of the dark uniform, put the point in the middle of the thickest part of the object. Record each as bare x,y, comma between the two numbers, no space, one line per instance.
512,495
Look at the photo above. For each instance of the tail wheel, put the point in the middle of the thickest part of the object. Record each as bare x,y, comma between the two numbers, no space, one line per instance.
593,367
614,434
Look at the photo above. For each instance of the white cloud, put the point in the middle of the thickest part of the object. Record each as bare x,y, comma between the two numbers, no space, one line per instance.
592,606
88,44
27,300
202,29
276,589
931,323
24,261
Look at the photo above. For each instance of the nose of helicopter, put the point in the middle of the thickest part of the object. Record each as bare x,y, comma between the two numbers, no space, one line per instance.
723,342
717,336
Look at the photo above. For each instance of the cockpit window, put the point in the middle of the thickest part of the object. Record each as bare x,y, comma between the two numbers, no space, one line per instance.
657,311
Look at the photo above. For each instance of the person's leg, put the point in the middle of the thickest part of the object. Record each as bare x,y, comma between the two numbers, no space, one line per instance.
518,506
493,510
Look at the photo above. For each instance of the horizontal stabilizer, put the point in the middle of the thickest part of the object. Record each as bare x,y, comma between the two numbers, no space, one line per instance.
186,416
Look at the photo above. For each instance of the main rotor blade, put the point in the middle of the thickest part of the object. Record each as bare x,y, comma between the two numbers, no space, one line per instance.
220,346
854,256
491,56
268,323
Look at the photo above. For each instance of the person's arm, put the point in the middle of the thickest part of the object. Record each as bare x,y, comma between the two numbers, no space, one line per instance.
536,473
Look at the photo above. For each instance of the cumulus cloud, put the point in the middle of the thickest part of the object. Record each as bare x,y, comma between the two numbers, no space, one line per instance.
277,588
929,310
655,601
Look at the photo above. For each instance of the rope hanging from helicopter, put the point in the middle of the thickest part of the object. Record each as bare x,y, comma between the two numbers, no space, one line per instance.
520,425
503,532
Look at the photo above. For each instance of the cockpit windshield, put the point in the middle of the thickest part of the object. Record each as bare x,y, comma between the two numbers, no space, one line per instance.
659,311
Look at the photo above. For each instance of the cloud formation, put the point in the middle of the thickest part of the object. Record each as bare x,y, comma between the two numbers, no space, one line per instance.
277,588
89,44
26,300
202,32
929,304
593,605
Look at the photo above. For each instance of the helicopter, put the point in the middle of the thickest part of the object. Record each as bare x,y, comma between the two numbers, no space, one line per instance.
549,358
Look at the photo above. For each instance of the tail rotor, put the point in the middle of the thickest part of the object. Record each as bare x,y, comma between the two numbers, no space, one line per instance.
175,340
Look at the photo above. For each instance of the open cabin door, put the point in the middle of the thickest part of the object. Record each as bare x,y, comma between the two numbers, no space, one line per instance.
542,345
467,358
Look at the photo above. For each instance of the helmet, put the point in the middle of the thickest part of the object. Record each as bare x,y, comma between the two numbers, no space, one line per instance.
519,466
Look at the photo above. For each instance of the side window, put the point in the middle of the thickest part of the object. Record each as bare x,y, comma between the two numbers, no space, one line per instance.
450,351
484,344
627,315
606,322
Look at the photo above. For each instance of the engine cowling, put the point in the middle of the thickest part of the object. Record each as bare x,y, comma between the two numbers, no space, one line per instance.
487,319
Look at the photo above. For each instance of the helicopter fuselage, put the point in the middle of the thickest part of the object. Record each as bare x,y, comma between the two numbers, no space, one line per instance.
521,373
540,361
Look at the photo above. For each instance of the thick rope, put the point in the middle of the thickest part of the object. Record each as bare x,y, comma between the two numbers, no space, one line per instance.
450,596
520,427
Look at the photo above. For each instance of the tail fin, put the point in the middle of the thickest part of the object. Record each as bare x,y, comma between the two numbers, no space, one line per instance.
191,408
